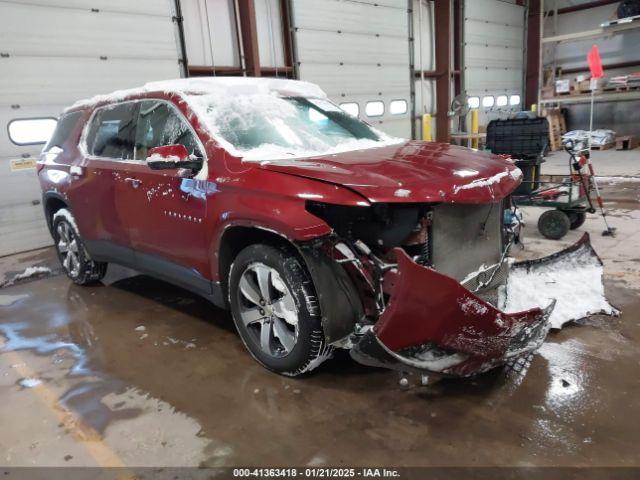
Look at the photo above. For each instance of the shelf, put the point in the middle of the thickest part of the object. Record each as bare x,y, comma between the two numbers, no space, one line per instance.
598,97
605,29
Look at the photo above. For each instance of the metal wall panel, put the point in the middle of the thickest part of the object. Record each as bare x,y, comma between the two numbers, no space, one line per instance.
493,53
61,32
357,51
270,34
142,7
210,32
56,52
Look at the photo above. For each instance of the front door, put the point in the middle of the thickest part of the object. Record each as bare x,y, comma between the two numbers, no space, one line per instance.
167,208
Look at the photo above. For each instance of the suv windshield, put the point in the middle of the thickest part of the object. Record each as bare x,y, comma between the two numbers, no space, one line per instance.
266,126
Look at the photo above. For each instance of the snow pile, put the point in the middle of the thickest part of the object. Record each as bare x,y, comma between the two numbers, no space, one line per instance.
574,280
28,273
66,214
220,85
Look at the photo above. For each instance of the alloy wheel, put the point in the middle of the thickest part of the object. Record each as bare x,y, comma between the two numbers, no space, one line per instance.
268,310
68,249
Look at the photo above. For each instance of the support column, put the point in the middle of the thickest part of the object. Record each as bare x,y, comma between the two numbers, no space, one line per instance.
249,32
534,25
442,20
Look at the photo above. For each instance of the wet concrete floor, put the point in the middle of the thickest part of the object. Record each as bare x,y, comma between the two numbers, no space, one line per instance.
137,372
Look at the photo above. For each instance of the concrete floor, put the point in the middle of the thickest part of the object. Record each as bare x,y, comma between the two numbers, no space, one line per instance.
136,372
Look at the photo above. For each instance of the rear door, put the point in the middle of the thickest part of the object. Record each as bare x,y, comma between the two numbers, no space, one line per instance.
98,196
166,210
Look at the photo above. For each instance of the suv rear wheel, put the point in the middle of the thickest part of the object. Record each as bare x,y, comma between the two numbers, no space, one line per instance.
72,253
275,310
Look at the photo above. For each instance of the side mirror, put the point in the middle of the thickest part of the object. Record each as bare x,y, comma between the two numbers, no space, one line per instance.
170,157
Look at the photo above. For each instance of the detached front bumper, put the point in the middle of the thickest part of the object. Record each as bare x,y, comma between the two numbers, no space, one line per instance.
432,324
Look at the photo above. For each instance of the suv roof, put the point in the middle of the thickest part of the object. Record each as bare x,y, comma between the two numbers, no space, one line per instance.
208,85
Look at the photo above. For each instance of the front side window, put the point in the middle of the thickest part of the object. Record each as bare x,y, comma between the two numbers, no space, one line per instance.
159,125
269,125
112,132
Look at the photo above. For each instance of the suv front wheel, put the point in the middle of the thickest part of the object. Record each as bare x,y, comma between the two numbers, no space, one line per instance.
275,310
73,256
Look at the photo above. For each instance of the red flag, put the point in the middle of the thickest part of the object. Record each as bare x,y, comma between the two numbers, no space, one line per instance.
595,63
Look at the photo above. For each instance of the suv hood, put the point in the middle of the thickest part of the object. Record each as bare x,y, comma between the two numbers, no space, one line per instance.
413,171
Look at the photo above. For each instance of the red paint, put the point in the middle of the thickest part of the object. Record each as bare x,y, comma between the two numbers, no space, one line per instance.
443,312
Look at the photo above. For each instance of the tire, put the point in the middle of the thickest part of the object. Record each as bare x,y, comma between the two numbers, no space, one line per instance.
554,224
576,218
282,332
72,253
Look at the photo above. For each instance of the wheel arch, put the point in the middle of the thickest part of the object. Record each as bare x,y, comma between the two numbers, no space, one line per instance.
52,202
340,303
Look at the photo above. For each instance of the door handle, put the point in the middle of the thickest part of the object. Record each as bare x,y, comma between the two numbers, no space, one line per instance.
135,183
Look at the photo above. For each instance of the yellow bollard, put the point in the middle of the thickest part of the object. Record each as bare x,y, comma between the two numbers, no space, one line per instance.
426,128
474,128
534,107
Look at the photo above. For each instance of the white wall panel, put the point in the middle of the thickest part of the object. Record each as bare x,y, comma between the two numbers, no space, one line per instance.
210,32
270,34
82,33
56,52
493,53
357,52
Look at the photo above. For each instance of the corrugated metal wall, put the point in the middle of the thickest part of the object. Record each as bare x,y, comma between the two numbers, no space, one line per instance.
493,54
53,53
358,52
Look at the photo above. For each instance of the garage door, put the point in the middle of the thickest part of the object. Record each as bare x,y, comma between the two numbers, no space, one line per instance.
53,52
494,56
358,52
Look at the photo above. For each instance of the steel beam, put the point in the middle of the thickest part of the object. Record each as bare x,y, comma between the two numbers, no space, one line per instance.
442,19
534,25
249,34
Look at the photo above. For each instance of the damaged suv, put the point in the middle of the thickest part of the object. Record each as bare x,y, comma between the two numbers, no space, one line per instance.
316,230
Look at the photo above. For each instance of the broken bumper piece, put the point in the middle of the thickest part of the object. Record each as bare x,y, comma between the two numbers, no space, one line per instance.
432,324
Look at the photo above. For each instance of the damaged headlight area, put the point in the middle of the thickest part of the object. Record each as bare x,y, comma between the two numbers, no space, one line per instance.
427,286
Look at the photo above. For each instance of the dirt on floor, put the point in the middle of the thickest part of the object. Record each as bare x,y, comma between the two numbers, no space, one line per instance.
138,372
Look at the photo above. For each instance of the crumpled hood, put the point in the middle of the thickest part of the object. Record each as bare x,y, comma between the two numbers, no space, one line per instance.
412,171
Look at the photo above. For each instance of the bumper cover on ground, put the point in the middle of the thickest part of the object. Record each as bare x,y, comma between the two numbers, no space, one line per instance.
433,324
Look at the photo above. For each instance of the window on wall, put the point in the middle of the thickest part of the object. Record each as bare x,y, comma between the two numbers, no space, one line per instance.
474,102
352,108
514,100
398,107
31,131
488,101
502,100
374,109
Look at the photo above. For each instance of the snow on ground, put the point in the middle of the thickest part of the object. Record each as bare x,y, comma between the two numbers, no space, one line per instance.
27,273
573,280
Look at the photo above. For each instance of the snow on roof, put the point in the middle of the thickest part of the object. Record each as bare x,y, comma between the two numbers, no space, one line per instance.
208,85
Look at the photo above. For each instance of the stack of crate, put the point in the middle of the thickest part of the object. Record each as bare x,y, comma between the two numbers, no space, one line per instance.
557,128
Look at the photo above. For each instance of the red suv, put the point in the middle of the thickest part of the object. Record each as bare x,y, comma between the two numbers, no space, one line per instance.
315,229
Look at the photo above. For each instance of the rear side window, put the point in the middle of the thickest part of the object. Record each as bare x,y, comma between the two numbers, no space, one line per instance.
158,125
66,124
112,132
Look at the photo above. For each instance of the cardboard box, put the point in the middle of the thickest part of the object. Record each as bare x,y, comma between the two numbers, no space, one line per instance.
628,142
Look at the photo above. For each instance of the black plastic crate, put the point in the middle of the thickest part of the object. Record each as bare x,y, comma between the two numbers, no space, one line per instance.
519,137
